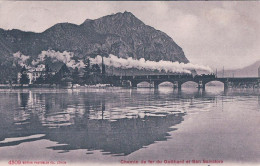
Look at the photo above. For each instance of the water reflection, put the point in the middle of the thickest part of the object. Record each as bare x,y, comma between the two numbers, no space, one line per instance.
112,122
121,137
116,122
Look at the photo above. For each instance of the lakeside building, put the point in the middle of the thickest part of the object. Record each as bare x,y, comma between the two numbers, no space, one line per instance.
33,73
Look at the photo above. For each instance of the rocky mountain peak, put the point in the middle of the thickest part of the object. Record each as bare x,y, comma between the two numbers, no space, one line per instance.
125,16
120,34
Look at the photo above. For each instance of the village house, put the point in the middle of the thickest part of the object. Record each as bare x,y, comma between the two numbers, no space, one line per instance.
33,73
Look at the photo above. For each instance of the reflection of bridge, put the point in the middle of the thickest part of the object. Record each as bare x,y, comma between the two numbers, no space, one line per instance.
178,80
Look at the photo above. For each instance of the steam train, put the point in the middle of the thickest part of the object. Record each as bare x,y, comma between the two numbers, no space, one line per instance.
175,76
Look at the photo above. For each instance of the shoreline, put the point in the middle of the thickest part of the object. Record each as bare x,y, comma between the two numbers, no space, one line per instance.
53,86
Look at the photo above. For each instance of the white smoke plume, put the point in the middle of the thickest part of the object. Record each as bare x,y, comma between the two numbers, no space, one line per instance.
114,61
64,57
21,59
167,66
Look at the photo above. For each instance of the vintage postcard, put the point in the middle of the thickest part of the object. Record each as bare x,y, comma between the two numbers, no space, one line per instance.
130,83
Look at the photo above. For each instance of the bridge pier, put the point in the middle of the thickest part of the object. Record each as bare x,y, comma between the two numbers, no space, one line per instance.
156,86
133,84
225,86
201,85
228,84
177,85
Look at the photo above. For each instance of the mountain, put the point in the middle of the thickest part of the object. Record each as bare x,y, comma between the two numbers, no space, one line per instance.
121,34
248,71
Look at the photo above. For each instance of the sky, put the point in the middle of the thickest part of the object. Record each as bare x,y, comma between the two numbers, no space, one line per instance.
216,34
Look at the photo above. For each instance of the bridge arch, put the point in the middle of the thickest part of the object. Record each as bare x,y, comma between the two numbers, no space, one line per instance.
214,83
166,84
189,83
143,84
140,83
215,80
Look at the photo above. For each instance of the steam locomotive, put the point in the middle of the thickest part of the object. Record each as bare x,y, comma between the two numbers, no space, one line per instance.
205,76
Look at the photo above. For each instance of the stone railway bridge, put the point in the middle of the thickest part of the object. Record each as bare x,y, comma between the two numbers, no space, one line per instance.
201,80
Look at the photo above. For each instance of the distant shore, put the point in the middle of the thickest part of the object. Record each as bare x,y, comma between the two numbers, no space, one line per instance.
52,86
77,86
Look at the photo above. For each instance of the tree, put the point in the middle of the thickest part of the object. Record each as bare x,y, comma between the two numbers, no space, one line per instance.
56,79
48,74
87,68
95,69
64,71
75,76
87,71
24,77
47,68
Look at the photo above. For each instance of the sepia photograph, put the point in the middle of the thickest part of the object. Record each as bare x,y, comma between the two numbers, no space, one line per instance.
130,83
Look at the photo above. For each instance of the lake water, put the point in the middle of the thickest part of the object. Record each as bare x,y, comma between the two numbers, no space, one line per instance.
114,125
